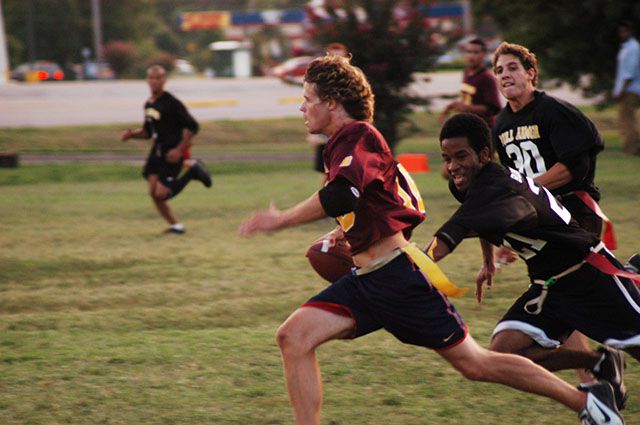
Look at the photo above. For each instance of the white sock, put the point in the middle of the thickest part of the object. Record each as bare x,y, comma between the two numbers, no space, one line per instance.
177,226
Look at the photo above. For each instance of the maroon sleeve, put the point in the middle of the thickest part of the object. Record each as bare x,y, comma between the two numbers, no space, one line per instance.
488,93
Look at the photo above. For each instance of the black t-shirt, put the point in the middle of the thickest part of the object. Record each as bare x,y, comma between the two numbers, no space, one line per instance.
164,120
504,207
544,132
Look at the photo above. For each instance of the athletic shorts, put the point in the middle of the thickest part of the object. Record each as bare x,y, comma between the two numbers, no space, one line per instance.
603,307
167,172
398,298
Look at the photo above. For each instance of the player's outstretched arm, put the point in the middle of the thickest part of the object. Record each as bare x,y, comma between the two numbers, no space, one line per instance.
137,133
275,219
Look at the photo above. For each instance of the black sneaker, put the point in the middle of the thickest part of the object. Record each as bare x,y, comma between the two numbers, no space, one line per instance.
611,369
201,173
633,263
601,405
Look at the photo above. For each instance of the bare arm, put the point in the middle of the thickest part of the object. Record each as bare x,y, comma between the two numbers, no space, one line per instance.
137,133
556,176
274,219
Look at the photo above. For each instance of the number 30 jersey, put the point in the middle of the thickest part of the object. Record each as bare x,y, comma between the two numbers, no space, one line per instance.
544,132
506,208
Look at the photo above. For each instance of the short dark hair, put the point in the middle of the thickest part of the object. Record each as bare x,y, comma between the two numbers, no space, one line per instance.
479,42
468,125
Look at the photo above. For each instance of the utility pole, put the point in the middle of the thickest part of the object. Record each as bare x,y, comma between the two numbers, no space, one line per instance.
4,57
31,38
97,28
467,19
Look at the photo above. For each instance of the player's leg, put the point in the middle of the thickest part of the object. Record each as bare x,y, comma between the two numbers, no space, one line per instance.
479,364
178,181
578,342
159,193
551,358
298,337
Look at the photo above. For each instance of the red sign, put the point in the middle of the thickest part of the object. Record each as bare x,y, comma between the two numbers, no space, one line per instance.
192,21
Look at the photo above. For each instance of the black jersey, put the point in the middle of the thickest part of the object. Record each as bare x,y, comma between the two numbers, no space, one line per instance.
544,132
504,207
164,120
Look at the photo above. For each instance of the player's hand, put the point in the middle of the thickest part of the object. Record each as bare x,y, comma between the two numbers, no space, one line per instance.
262,221
174,155
126,135
505,256
486,274
335,237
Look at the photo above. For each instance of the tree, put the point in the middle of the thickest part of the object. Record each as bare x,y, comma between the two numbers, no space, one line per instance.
389,41
572,39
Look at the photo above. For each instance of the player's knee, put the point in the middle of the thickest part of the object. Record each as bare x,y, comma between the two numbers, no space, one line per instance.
512,342
287,340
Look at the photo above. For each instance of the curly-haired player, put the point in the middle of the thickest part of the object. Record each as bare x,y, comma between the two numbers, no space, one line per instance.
394,285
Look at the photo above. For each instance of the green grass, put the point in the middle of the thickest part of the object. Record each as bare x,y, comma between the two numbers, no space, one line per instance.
104,320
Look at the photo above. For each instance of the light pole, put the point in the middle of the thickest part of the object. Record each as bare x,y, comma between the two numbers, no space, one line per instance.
4,57
97,28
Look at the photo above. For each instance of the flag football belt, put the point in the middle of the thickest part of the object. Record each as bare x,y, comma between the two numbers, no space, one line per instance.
430,269
432,272
607,235
595,259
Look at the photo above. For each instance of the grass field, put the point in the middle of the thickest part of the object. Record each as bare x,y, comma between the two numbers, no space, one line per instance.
105,321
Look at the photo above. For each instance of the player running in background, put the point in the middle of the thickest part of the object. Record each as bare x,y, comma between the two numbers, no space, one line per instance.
478,91
576,283
395,286
172,128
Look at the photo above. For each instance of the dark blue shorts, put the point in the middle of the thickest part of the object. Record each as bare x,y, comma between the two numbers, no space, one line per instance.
398,298
603,307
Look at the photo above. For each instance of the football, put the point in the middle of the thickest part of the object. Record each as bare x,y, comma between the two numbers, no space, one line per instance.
330,263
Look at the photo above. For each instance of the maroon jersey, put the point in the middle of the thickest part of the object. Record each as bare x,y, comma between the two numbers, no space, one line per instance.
480,88
389,198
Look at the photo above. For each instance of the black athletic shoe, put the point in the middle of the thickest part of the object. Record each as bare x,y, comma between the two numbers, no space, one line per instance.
611,369
201,173
633,263
601,405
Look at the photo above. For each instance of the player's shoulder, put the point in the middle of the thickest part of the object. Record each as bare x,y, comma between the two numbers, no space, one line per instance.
492,181
546,102
363,134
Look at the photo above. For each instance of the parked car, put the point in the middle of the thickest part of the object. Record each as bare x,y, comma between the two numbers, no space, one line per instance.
38,71
183,66
292,70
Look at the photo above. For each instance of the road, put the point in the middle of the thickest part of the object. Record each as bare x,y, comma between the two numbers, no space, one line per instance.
120,101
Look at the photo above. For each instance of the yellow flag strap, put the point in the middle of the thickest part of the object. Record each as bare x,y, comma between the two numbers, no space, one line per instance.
433,272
